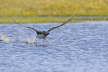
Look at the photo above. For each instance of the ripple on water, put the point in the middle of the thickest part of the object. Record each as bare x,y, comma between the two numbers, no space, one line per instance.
76,47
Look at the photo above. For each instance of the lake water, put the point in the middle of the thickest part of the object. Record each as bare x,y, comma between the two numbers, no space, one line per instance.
75,47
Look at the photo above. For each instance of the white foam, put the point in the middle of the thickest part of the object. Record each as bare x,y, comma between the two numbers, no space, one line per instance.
5,38
28,40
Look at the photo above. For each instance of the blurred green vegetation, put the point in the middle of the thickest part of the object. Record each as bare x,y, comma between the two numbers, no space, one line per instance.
12,20
53,7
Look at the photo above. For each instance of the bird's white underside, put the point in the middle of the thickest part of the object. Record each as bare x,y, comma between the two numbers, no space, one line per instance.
40,36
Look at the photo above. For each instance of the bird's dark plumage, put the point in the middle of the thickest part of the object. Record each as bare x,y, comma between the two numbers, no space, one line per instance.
44,34
60,25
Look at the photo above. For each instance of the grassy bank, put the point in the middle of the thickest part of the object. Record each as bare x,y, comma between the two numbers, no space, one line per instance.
30,19
53,7
5,20
29,8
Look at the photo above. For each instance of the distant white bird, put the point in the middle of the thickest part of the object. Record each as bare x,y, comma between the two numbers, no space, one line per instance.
44,34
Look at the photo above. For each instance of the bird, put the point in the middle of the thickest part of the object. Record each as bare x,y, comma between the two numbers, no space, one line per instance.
44,34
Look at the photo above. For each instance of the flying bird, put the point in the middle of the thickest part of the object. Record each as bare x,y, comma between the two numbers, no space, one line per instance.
44,34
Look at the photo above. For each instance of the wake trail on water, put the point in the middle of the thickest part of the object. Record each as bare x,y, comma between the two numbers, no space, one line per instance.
6,39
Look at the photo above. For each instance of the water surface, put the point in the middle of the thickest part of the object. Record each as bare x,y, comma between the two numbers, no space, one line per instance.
75,47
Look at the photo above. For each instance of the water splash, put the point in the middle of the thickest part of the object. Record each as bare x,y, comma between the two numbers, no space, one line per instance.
5,38
28,40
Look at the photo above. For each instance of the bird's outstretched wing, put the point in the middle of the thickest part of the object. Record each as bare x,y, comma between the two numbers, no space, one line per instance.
60,25
33,29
